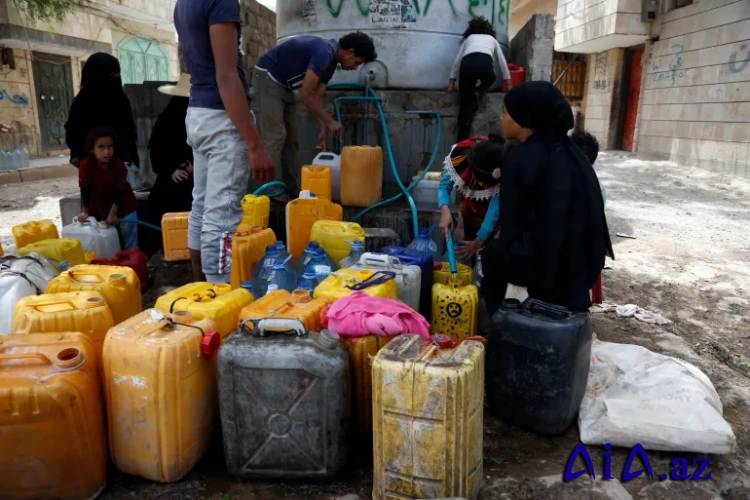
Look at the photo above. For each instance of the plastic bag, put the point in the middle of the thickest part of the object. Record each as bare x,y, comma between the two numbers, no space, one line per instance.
635,396
134,176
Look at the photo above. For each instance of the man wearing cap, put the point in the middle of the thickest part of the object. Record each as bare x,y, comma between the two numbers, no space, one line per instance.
220,129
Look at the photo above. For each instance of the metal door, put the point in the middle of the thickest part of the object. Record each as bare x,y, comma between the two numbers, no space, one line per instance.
54,94
632,98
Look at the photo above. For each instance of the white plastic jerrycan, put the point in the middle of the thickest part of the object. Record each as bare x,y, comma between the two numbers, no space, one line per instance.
408,278
13,287
98,237
332,161
37,269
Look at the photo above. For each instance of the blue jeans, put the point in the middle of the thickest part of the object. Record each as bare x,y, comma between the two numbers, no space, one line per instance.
128,231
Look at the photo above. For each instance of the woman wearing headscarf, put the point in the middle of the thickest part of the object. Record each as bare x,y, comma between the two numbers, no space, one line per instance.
171,156
554,234
101,102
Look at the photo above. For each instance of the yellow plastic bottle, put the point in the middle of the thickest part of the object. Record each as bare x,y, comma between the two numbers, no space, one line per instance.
52,430
361,351
57,251
282,304
203,300
361,175
161,394
427,420
84,312
118,285
301,214
318,180
455,309
443,275
174,234
33,231
333,236
248,246
257,210
335,286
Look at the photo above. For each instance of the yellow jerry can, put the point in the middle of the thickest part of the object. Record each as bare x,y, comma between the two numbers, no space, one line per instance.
338,284
455,309
248,247
427,419
301,214
33,231
174,235
256,211
443,275
332,236
62,249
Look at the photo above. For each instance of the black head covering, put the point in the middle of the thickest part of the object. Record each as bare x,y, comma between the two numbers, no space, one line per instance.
101,102
554,234
539,106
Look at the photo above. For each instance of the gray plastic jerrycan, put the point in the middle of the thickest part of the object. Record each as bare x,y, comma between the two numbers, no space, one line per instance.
285,400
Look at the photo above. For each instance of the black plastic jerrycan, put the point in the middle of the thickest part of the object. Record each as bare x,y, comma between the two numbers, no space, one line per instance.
538,357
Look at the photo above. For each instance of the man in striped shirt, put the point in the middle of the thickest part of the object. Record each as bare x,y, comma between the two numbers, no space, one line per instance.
306,63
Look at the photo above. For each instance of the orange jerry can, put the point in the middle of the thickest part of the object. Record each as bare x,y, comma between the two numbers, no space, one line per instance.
174,235
361,351
301,214
84,312
248,247
282,304
52,433
318,180
118,285
361,175
160,385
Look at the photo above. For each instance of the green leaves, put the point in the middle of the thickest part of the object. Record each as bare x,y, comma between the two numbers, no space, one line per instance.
47,10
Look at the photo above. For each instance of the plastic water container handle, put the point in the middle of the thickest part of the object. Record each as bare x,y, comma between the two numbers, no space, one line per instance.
549,310
90,219
284,324
380,260
38,356
324,155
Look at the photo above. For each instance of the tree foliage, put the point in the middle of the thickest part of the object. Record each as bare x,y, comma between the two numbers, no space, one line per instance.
47,10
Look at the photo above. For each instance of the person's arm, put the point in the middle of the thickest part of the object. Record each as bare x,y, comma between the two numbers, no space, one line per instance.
312,102
445,186
320,94
490,219
224,47
456,66
502,64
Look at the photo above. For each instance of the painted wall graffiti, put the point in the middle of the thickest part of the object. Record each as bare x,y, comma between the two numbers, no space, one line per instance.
739,68
18,99
406,11
601,84
600,67
675,67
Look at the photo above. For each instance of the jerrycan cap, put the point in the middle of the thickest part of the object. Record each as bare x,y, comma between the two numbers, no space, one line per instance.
444,341
64,265
328,339
210,342
102,224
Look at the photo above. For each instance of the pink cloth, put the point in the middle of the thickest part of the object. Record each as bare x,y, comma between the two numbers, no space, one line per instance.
361,314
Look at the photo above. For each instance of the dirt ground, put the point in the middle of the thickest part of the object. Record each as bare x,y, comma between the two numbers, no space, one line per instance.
688,262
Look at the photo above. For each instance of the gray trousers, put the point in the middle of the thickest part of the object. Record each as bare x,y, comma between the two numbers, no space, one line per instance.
221,169
278,115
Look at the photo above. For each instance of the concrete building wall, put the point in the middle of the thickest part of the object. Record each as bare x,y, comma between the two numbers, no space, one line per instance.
696,92
603,80
588,26
17,106
532,47
522,10
258,33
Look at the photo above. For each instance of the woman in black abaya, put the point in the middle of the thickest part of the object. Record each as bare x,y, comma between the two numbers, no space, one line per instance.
101,102
554,234
171,156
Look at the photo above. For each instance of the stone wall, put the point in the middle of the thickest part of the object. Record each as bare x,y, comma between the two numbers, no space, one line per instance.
602,103
597,25
695,97
18,105
532,47
258,33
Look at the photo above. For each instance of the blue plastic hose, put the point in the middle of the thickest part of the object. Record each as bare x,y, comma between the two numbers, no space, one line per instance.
281,189
141,223
372,97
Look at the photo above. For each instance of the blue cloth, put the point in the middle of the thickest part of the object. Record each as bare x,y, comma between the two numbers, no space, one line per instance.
493,211
287,63
192,19
128,231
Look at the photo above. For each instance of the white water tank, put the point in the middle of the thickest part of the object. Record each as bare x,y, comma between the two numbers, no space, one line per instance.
416,40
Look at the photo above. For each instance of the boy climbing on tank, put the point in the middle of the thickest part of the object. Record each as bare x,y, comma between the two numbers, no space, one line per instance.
306,63
105,192
473,167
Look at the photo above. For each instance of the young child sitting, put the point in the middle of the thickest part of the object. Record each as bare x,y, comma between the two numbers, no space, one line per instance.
590,147
105,192
473,166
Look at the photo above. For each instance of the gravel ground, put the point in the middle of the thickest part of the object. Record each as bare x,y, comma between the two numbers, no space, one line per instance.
688,262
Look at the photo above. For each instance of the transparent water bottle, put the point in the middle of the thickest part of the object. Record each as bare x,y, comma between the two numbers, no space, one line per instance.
4,160
247,285
354,255
424,243
307,256
15,158
308,280
283,277
24,157
263,271
281,247
321,263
